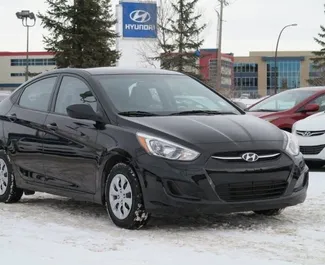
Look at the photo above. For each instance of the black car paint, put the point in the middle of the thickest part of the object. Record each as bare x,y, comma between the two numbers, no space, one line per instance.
69,157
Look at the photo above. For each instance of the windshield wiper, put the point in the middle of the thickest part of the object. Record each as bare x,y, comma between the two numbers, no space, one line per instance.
137,113
264,110
202,112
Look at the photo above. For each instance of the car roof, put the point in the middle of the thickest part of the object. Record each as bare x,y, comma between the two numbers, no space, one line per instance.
312,88
113,70
120,70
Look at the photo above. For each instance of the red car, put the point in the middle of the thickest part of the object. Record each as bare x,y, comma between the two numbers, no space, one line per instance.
287,107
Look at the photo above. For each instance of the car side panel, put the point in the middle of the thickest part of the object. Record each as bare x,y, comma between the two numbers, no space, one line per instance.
70,154
119,144
5,106
24,143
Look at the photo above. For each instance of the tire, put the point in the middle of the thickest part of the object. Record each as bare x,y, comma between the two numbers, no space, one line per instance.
315,164
271,212
123,188
9,193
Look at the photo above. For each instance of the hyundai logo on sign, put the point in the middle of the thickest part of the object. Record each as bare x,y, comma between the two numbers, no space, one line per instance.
139,20
140,16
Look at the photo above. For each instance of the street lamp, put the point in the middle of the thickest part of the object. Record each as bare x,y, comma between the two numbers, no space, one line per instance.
24,15
276,55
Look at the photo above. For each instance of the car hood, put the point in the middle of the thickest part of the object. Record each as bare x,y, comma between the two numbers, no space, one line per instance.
207,129
314,122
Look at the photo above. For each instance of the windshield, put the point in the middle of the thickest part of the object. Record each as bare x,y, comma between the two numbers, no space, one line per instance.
162,95
282,101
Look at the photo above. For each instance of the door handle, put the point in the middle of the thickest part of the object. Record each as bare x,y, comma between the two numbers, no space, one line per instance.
52,126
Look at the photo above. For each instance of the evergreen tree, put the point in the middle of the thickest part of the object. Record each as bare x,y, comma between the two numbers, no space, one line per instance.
319,60
180,54
82,34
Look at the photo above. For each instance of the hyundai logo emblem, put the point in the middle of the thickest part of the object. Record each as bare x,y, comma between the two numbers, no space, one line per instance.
306,134
140,16
250,157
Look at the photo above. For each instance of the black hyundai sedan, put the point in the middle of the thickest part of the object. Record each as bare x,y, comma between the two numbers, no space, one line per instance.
144,143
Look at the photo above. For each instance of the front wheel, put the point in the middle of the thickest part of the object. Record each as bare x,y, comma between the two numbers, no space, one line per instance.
9,193
271,212
123,198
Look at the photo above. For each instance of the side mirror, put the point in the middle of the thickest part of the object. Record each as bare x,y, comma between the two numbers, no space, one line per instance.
83,112
310,108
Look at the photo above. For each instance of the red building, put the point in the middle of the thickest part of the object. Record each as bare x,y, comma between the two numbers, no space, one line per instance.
208,68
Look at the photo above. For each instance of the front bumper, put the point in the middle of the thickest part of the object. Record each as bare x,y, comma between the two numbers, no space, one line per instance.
312,148
221,187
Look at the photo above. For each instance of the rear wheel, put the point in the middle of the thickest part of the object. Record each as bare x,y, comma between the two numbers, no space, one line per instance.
270,212
9,193
123,198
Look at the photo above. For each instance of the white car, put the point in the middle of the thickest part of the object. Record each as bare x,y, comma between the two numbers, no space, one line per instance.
310,133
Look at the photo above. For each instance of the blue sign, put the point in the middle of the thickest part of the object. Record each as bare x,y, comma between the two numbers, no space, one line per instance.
139,20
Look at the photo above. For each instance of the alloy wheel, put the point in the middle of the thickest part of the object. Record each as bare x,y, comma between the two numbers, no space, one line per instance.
120,196
3,177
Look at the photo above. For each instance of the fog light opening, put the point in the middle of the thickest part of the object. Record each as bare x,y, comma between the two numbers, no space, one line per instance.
300,183
173,188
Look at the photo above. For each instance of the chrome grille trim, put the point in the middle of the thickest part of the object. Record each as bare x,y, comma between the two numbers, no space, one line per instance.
240,158
310,133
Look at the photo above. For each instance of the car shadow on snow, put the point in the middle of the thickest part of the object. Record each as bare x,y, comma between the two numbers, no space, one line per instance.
242,221
60,208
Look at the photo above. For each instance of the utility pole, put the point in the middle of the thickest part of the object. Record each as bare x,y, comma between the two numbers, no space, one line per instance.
218,59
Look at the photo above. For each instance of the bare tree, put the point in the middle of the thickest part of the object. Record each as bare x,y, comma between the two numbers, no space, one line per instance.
318,79
150,50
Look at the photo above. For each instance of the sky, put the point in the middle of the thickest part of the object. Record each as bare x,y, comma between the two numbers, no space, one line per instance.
249,25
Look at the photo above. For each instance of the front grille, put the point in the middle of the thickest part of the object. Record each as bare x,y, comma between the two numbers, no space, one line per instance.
236,156
247,191
312,150
310,133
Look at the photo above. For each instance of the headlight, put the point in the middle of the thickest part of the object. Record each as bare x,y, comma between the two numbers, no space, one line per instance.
291,144
163,148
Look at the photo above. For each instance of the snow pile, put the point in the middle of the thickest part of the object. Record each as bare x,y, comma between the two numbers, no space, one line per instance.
50,230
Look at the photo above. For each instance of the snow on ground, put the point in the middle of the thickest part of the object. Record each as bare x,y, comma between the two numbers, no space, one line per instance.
50,230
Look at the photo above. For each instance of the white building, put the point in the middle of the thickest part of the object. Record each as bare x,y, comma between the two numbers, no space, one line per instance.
13,67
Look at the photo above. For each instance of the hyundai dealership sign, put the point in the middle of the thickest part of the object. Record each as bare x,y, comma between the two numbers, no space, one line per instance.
139,20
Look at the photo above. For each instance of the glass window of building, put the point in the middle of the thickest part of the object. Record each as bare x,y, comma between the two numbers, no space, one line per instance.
288,74
32,61
314,71
246,77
